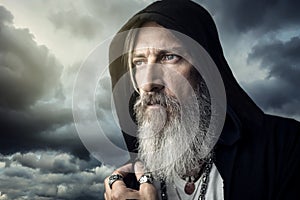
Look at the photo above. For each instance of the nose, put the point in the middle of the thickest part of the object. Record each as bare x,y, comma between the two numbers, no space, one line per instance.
152,80
151,87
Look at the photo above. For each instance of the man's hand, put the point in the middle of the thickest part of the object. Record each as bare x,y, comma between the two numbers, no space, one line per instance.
119,190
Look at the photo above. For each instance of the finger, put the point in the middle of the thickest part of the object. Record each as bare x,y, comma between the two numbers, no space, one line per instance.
107,189
119,191
147,190
124,170
138,169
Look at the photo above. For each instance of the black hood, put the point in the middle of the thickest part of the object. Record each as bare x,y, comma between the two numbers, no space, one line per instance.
193,20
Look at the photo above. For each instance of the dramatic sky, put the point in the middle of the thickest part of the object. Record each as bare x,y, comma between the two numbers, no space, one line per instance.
42,45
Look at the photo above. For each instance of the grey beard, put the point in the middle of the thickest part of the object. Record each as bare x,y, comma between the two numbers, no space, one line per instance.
168,144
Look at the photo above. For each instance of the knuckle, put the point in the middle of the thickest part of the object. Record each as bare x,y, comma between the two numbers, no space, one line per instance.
106,183
148,189
115,196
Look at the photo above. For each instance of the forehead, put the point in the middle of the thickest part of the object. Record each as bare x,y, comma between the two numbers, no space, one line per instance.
152,35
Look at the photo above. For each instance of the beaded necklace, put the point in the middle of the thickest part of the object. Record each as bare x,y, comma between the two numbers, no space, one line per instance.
204,183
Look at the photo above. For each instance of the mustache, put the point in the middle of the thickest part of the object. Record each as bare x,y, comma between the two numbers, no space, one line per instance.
152,99
170,103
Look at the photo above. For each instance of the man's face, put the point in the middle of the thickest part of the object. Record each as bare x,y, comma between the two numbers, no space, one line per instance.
169,142
158,60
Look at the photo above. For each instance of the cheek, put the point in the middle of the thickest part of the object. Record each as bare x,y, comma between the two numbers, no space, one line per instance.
176,80
137,78
193,81
189,74
181,83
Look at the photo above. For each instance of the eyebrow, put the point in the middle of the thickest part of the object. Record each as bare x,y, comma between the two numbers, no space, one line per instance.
177,50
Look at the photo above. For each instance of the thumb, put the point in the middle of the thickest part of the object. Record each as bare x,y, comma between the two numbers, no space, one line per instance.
147,191
141,175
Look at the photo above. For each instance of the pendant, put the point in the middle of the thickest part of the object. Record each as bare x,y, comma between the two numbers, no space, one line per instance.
189,188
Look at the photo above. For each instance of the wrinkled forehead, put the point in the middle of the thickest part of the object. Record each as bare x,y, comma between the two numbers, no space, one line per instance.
158,39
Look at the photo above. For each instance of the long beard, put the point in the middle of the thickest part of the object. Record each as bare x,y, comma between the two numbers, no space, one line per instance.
168,144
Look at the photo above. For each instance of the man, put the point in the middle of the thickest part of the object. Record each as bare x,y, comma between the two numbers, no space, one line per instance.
256,155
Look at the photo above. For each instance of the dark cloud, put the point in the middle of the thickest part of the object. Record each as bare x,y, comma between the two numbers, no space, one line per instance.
263,16
62,163
279,91
41,155
27,71
281,58
52,128
5,15
17,171
32,110
240,22
34,176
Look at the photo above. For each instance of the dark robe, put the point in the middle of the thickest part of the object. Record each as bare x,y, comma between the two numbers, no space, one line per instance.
260,160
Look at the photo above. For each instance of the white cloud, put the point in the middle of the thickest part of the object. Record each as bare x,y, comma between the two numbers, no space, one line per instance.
34,175
3,196
2,165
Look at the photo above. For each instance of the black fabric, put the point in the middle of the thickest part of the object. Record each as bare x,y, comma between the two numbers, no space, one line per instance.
262,161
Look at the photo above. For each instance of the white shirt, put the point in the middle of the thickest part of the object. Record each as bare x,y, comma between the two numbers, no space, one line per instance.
214,188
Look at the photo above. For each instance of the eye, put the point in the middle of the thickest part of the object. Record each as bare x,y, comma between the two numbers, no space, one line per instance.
138,62
170,58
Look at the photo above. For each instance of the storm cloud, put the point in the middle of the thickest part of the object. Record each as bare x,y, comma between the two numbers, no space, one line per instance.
261,41
27,70
279,92
41,155
32,109
258,16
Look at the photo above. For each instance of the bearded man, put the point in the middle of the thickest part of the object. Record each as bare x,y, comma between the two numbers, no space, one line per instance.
178,156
